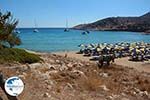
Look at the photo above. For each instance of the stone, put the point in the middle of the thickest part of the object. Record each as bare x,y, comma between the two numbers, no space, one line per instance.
57,61
125,99
22,77
53,72
70,65
35,65
49,87
63,68
104,87
46,95
45,76
49,82
69,85
105,75
79,73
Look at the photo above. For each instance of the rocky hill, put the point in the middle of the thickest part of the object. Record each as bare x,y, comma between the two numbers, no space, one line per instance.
135,24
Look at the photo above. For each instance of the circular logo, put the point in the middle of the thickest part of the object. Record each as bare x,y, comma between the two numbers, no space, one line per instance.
14,86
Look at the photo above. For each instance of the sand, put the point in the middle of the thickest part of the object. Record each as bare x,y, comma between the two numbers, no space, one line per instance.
140,66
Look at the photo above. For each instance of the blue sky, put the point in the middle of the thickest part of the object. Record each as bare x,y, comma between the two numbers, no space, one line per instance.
53,13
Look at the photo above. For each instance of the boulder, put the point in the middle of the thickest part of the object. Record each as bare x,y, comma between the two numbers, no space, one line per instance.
35,65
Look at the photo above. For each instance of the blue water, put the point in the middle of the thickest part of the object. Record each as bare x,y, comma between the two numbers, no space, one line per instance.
55,39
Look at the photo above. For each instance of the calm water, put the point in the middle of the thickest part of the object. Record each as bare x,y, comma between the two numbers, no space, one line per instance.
54,39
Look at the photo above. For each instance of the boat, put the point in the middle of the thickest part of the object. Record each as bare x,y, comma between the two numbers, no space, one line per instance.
17,31
35,29
85,31
66,29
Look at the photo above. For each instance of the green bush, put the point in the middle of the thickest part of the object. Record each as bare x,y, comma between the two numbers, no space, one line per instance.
17,55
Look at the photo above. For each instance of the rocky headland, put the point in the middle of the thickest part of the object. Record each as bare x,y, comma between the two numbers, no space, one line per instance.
133,24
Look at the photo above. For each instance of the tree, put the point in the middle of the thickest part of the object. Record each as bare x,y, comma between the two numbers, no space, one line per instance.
7,30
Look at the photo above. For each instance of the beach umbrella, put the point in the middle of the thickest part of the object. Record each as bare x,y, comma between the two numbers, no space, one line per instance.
137,50
98,49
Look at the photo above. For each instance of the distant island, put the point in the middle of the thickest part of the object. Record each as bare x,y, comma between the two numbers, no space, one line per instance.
133,24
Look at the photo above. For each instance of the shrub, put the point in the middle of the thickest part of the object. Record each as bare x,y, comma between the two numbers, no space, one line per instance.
17,55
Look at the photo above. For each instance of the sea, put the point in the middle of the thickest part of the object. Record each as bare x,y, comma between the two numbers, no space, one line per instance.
56,40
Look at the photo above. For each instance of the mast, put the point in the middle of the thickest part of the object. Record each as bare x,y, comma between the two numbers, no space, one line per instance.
66,23
35,24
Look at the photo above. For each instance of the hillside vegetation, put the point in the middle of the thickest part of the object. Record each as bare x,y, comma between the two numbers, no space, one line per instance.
135,24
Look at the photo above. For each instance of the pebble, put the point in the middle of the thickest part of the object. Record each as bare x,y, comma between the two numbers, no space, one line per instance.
63,68
46,95
105,75
104,87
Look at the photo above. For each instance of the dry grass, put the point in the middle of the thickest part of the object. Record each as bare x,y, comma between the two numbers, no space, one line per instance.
91,83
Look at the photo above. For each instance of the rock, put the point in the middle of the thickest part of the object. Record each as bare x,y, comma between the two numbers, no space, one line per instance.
110,97
50,67
51,61
45,76
57,61
46,95
80,64
104,87
63,68
35,65
79,73
49,87
49,82
22,77
125,99
70,65
23,68
69,85
53,72
105,75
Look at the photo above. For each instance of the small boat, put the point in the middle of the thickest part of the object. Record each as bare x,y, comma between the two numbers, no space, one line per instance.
35,29
87,31
66,29
17,31
83,33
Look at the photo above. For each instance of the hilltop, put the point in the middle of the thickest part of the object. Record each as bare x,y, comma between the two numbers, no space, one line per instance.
134,24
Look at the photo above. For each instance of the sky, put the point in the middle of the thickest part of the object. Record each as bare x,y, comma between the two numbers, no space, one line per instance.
54,13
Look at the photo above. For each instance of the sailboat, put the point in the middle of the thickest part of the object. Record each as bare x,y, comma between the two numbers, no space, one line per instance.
66,29
17,30
85,31
35,29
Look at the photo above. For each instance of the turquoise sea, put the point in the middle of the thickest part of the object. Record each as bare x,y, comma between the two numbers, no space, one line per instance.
55,39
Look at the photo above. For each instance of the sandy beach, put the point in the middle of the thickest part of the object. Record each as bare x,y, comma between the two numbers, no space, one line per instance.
140,66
